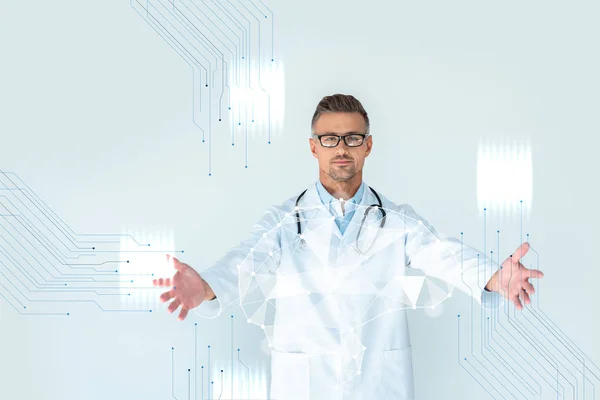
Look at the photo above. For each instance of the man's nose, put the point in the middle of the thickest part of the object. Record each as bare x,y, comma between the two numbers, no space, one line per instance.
341,148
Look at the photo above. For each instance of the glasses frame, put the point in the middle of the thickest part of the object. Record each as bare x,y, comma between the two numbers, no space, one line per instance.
342,137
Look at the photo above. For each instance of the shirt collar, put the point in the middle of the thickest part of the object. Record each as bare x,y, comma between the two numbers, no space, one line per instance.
327,198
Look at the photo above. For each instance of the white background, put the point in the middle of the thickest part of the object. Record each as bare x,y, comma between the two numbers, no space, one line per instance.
95,116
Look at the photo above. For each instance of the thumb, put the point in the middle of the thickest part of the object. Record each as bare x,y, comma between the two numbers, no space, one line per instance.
178,265
520,252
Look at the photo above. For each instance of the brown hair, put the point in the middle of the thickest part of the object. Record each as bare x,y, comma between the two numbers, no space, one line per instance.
339,103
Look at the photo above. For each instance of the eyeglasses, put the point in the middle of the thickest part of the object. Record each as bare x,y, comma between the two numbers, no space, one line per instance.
351,139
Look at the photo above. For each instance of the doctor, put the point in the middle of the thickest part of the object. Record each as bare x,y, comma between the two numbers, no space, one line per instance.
300,370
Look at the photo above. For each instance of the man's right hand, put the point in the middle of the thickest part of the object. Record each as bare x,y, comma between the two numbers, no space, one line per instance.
188,289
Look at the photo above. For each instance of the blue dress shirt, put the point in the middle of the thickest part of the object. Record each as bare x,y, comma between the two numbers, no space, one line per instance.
342,218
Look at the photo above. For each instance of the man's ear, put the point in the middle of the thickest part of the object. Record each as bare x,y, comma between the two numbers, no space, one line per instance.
313,147
369,145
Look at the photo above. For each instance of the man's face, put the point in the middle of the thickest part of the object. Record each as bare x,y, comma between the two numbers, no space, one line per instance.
342,162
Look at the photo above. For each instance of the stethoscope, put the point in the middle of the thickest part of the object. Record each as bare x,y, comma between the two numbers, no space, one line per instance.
377,206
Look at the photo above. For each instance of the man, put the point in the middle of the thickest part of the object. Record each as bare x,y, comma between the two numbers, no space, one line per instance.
362,349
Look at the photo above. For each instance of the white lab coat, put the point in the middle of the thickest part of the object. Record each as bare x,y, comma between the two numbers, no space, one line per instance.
378,351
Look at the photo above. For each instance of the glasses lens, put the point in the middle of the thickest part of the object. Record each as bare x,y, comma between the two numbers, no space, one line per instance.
354,140
329,140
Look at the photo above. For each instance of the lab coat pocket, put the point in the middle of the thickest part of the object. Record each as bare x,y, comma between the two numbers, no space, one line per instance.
289,376
397,374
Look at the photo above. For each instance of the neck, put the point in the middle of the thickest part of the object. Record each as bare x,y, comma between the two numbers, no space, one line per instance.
345,190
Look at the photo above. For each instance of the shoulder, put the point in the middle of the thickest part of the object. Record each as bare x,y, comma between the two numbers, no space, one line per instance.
400,209
277,212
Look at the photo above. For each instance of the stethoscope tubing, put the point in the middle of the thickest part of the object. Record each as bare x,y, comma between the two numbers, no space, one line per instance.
378,206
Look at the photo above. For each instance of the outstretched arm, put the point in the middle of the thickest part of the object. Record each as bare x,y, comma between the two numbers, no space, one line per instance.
215,288
464,267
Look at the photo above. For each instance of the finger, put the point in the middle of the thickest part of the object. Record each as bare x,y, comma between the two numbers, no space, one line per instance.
162,282
520,252
183,313
517,302
166,296
525,297
174,305
528,288
533,273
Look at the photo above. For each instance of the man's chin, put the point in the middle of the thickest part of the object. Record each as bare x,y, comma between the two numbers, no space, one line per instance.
341,177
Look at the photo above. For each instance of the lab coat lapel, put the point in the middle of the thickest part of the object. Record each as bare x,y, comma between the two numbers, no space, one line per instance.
318,228
317,217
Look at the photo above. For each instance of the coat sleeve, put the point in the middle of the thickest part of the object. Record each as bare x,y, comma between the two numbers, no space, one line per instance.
448,259
223,276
